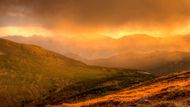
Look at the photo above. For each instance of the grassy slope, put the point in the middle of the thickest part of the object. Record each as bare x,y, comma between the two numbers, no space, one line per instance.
168,91
29,73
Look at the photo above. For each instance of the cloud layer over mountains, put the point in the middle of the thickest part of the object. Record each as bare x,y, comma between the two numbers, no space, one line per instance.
85,15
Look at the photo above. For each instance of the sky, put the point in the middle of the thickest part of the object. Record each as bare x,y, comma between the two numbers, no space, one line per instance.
114,18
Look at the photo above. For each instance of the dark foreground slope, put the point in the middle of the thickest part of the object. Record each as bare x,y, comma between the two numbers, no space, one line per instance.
168,91
30,74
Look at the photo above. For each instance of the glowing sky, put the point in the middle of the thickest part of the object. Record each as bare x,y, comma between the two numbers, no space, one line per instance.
115,18
26,31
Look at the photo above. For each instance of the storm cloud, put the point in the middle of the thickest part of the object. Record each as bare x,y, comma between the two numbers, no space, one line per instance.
106,13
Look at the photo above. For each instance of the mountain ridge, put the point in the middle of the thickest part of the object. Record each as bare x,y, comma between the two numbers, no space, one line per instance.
154,61
106,46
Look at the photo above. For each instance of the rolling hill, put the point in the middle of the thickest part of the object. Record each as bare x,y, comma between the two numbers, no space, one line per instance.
168,91
30,74
159,62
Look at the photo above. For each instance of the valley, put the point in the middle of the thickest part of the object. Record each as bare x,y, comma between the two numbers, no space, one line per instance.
156,55
94,53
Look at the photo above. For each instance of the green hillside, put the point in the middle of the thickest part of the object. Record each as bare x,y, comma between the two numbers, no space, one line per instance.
30,73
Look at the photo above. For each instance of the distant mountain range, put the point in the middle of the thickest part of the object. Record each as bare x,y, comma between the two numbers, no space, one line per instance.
159,62
103,47
29,74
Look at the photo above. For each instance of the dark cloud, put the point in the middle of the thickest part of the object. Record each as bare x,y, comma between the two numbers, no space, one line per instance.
94,12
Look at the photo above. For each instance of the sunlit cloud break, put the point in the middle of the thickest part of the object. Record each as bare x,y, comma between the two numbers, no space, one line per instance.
24,31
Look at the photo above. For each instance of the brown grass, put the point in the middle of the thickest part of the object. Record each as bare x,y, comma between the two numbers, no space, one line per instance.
156,94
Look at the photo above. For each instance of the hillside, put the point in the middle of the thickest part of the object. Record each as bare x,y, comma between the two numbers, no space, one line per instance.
29,74
168,91
159,62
